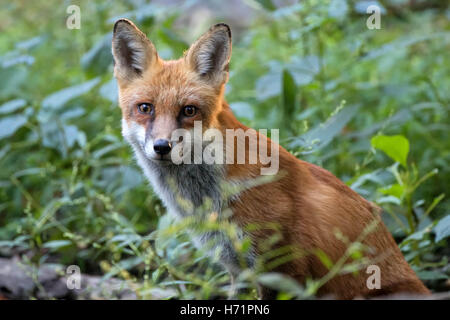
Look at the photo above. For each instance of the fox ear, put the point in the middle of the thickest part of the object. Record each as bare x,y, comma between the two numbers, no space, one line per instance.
210,55
132,51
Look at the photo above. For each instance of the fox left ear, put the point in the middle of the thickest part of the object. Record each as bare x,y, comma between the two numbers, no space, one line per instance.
133,52
210,55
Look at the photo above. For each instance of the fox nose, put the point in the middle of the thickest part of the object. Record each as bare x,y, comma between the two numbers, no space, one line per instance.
162,146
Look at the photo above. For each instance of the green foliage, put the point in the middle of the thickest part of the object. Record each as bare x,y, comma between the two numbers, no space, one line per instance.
396,147
442,229
70,191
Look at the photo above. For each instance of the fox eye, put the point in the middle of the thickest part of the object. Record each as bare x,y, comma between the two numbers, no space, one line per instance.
189,111
145,108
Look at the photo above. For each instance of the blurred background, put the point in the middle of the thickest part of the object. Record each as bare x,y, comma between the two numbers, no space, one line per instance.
369,105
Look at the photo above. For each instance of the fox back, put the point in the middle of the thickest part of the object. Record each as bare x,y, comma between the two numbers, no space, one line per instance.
159,98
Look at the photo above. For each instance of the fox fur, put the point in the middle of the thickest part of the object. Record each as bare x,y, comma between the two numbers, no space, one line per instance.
306,201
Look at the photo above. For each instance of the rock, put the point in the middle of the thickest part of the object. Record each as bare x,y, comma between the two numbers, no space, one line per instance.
14,281
19,280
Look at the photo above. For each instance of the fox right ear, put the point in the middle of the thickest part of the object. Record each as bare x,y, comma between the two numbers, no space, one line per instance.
210,55
132,51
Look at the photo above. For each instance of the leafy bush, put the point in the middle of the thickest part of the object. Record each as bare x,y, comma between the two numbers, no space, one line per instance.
70,191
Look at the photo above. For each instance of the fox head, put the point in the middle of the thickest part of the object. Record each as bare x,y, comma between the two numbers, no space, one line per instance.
158,96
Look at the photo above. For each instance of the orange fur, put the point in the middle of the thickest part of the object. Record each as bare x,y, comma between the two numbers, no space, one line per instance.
310,203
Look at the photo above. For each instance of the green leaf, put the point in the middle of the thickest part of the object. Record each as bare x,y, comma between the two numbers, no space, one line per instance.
56,244
303,69
58,99
435,202
416,236
12,105
12,80
60,137
395,190
389,199
17,60
156,274
109,90
281,283
99,57
399,44
323,134
30,43
323,257
396,147
431,275
442,229
269,85
9,125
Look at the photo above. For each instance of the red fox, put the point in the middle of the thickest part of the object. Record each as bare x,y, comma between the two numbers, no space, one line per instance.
159,97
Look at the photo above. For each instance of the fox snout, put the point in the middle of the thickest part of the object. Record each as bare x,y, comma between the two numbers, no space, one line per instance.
158,136
153,143
158,147
162,146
